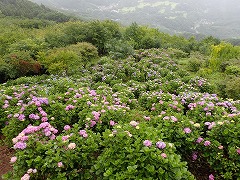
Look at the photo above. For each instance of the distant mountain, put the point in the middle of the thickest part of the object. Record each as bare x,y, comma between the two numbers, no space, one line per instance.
220,18
27,9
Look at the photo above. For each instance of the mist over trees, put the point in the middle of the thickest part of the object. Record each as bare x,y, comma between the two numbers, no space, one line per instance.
217,18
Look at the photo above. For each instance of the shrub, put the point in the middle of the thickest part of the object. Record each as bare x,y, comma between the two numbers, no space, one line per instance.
232,88
194,64
69,60
233,70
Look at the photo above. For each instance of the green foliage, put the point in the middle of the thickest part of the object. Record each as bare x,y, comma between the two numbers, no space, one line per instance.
100,33
119,49
74,32
60,61
30,45
206,43
134,34
232,88
125,156
7,71
221,53
178,54
194,64
233,70
87,51
224,134
68,60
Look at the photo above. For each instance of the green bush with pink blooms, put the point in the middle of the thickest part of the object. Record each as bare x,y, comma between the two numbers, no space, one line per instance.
137,118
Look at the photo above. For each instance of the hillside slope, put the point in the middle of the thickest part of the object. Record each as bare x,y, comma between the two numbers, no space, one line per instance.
217,18
27,9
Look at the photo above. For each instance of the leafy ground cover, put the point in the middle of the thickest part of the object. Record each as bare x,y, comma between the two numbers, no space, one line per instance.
138,118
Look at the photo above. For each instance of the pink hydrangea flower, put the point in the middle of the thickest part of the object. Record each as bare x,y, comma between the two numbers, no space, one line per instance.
134,123
83,133
112,123
21,117
166,118
69,107
211,177
187,130
24,138
199,140
147,143
64,138
163,112
164,155
5,106
93,123
44,125
72,146
48,133
25,177
29,171
238,151
220,147
44,119
96,115
147,118
78,95
153,108
13,159
174,118
60,164
67,127
92,92
52,137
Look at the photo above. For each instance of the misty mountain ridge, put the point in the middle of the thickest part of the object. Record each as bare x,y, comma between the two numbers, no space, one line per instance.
219,18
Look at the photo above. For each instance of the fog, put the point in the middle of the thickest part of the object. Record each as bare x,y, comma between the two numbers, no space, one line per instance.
212,17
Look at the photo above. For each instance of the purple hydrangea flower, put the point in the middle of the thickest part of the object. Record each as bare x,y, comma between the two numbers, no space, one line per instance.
160,145
20,145
207,143
21,117
194,156
199,140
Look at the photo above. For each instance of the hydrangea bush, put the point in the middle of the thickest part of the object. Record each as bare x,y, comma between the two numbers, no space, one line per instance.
136,118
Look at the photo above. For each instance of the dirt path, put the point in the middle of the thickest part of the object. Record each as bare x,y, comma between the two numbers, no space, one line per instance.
5,156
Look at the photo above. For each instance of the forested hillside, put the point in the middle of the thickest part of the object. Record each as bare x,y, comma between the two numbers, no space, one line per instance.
219,18
25,8
99,100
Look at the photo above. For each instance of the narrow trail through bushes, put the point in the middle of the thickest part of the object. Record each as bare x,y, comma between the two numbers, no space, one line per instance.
5,156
